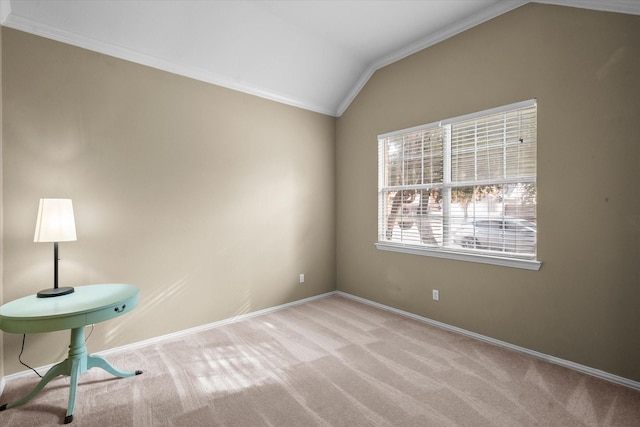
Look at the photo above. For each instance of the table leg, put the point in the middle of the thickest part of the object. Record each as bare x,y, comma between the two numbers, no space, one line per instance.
76,371
94,361
56,370
75,365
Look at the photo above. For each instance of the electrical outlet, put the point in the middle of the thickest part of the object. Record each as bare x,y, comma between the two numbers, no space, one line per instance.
302,278
436,295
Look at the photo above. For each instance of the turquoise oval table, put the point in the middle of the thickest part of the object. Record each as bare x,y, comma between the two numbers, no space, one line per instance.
87,305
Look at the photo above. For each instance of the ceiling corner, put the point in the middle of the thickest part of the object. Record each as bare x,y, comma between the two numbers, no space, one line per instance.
5,10
496,10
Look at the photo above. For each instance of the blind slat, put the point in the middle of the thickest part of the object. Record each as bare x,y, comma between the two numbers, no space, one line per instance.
490,174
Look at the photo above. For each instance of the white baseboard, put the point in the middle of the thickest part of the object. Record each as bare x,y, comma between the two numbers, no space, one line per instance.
155,340
216,324
555,360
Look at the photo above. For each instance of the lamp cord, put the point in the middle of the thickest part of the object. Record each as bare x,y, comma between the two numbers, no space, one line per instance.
24,337
90,332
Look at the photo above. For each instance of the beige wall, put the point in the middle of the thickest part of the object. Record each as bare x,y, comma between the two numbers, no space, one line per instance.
211,201
583,67
1,226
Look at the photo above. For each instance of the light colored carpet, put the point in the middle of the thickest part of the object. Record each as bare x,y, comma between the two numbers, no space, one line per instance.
329,362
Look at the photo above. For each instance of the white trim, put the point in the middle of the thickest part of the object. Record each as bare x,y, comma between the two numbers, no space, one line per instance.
499,8
631,7
121,52
5,10
447,250
551,359
410,130
217,324
463,117
158,339
490,111
527,264
37,28
355,90
545,357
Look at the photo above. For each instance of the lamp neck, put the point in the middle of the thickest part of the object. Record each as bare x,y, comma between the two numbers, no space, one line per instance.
55,265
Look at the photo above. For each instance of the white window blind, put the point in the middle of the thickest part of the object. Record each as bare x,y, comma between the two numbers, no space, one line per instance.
463,186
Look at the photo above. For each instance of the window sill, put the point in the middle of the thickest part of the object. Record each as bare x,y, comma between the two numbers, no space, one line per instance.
526,264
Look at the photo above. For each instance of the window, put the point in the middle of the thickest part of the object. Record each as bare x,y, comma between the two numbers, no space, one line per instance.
463,188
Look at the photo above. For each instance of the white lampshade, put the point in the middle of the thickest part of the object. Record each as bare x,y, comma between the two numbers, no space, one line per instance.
55,221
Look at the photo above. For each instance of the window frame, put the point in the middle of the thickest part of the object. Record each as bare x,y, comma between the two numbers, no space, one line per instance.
447,252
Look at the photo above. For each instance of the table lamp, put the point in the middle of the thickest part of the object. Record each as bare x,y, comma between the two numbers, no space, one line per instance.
55,224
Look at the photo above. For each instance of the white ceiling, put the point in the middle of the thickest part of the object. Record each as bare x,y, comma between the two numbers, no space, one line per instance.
315,55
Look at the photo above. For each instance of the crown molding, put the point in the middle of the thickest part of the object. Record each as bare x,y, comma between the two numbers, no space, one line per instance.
5,10
620,6
121,52
20,23
630,7
498,9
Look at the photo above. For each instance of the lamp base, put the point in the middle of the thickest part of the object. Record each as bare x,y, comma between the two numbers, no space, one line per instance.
55,292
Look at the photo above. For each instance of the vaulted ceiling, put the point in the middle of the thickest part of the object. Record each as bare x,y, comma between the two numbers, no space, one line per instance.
315,55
